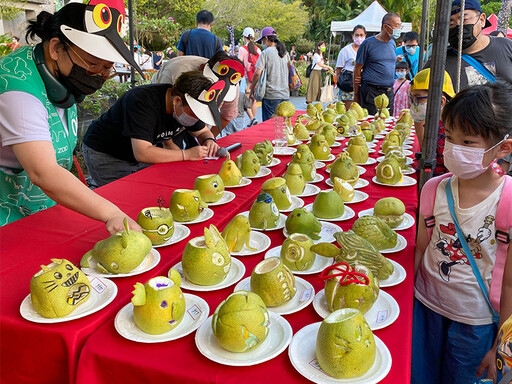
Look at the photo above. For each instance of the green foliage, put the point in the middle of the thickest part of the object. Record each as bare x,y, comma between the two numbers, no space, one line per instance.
182,11
158,34
303,46
4,49
301,66
10,10
490,7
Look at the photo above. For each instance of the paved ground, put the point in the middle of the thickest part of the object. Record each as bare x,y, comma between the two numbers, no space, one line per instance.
299,102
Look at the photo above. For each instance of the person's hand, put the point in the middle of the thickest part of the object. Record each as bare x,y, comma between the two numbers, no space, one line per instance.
212,146
115,223
399,58
196,153
489,363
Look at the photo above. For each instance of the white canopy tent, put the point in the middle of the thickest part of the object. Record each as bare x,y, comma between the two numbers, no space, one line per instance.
370,18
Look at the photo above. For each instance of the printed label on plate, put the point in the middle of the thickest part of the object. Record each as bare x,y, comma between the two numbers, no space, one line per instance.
382,316
314,364
306,294
194,312
330,230
98,285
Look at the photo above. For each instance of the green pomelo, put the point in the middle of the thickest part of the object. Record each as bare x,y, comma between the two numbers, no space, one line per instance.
295,179
241,322
277,188
301,220
345,346
230,173
211,187
296,252
186,204
248,163
388,171
237,233
375,231
345,168
157,224
391,210
328,205
358,153
206,259
273,282
319,147
264,213
353,295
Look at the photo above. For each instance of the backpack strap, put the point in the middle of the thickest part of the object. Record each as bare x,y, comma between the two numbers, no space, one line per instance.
427,200
503,223
184,39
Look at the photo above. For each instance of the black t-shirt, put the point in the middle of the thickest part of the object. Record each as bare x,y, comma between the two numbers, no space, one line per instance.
496,57
139,114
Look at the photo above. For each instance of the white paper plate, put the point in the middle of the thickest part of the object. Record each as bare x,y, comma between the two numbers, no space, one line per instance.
258,240
236,272
302,298
405,151
302,353
326,233
408,160
396,277
205,215
401,243
297,202
282,221
380,136
310,190
245,182
348,213
383,312
103,291
197,310
408,171
273,163
361,170
284,151
319,164
150,262
336,144
406,224
226,198
264,171
318,265
318,178
407,181
361,183
330,158
406,146
181,232
370,161
279,336
297,142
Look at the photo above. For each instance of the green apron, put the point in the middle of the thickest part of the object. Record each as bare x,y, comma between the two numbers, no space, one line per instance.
18,196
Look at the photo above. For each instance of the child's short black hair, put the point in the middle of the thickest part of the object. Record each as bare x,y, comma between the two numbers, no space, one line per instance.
402,65
482,110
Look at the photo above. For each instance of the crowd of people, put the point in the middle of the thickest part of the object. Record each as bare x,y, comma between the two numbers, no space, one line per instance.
203,93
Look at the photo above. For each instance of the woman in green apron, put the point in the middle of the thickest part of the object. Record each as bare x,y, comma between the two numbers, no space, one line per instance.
39,87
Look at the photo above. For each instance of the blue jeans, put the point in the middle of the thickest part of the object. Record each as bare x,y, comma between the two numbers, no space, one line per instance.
445,351
268,107
235,125
104,168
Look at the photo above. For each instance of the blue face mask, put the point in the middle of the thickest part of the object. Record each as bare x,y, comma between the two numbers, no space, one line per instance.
396,33
410,50
263,46
400,75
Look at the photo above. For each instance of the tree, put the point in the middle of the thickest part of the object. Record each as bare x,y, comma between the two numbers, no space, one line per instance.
10,9
182,11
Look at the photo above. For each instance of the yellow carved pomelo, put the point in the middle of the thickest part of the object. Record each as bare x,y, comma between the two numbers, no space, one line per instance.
273,282
388,171
277,188
157,224
58,288
186,204
295,179
344,189
296,252
391,210
345,168
158,305
211,187
230,173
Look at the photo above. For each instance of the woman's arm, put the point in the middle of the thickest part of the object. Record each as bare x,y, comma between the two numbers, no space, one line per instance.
357,81
39,161
145,152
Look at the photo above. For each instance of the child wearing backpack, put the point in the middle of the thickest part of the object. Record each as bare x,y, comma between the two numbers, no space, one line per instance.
249,54
458,296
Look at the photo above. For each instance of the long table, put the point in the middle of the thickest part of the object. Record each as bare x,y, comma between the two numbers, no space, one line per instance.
89,350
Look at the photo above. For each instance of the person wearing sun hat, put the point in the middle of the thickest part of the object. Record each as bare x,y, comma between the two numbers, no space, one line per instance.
493,53
39,87
140,128
274,61
418,98
249,54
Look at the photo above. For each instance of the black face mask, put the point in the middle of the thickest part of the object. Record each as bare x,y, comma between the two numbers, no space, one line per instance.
467,36
79,83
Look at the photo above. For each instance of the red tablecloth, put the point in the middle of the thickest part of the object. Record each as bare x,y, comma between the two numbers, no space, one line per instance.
90,350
